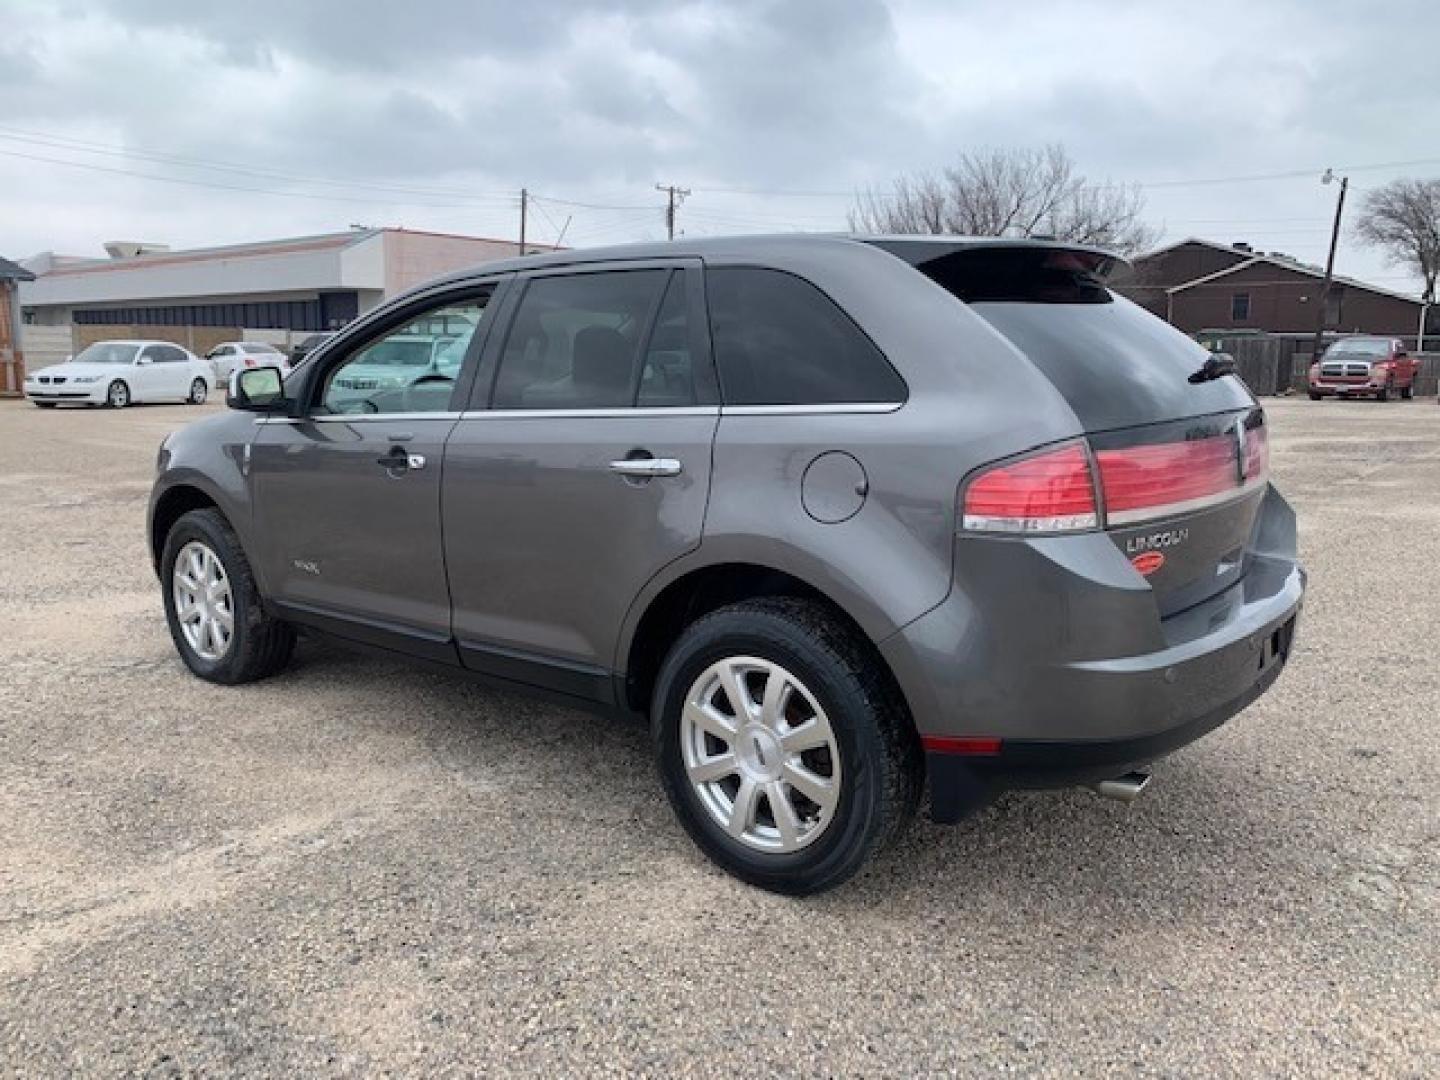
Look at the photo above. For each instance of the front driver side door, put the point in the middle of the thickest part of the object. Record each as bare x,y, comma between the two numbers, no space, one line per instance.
347,497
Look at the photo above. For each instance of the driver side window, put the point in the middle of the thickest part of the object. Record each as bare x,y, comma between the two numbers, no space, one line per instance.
411,368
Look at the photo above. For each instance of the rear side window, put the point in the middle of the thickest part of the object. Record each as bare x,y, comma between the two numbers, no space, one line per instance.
583,342
779,340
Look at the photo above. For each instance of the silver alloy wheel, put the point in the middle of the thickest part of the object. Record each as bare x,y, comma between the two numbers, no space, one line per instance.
204,605
197,392
119,395
760,754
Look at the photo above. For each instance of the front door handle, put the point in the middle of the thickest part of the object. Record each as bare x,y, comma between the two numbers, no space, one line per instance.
644,468
398,460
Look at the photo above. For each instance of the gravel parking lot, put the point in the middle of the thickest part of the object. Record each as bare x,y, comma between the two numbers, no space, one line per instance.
361,867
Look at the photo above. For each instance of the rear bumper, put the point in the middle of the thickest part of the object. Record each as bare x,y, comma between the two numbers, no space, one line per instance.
1058,670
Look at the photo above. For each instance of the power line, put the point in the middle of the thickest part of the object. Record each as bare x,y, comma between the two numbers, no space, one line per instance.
190,182
1145,185
109,150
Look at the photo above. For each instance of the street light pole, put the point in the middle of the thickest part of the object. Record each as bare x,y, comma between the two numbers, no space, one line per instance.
1329,264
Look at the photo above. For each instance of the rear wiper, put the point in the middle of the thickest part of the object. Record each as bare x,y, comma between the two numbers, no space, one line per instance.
1216,365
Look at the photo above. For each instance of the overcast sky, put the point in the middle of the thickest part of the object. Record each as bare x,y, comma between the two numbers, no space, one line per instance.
434,114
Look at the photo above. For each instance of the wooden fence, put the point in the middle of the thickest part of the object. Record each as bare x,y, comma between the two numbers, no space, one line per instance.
1274,365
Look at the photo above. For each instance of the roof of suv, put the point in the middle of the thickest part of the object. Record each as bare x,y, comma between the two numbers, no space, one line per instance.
912,249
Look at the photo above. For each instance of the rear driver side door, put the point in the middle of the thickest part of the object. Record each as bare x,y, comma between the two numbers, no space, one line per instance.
582,469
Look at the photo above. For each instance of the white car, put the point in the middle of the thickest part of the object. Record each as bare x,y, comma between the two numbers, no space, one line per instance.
229,355
398,364
118,373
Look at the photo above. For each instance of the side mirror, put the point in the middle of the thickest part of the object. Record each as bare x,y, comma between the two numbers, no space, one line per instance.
257,389
1216,365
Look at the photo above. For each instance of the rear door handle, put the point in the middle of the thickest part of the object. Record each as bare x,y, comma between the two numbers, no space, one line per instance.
647,467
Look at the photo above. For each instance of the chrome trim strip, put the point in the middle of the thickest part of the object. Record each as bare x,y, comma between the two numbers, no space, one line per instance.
361,418
588,414
834,408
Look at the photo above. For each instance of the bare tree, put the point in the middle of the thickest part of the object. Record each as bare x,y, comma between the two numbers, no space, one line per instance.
1015,192
1403,220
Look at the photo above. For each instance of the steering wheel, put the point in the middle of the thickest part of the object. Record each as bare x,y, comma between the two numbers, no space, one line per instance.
410,403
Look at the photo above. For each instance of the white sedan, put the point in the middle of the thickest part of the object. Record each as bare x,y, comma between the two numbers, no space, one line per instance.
229,355
117,373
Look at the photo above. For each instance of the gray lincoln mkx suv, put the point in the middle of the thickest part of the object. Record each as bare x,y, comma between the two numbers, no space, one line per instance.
841,515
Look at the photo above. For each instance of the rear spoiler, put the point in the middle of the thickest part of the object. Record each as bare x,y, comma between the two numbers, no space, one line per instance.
1106,266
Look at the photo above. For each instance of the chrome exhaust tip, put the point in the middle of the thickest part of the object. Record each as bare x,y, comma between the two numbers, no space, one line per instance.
1125,788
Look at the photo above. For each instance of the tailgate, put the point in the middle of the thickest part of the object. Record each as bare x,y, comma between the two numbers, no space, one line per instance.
1179,457
1180,499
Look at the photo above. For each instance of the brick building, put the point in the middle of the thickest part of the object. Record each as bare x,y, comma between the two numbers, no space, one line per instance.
1201,285
12,362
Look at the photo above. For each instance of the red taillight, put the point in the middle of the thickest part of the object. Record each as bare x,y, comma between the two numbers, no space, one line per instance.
1047,492
249,361
1140,482
1257,454
1055,491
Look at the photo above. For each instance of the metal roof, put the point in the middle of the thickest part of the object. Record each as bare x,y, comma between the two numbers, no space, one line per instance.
909,248
10,271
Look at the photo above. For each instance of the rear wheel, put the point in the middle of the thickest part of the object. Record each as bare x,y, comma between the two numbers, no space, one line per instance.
213,606
198,391
782,745
118,395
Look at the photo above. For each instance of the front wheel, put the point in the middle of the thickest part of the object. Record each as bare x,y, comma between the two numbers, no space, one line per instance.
783,747
198,390
213,607
118,396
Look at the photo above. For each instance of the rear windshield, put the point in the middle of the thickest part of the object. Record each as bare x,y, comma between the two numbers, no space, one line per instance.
1116,364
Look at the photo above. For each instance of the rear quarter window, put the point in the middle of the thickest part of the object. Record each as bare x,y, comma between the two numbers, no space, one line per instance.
779,340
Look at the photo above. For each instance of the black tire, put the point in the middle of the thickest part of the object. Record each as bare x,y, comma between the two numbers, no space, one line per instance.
1383,394
117,394
44,404
882,767
1315,397
261,645
199,390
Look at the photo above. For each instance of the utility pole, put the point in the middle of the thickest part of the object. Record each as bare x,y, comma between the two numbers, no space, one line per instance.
524,206
1329,264
677,196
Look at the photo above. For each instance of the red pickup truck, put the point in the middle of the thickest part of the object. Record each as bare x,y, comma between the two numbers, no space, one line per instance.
1364,366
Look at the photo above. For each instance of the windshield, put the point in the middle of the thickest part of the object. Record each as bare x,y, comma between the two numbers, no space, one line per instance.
107,352
1366,348
393,353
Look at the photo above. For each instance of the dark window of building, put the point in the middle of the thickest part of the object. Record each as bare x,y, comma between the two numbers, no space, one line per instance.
780,341
575,342
1239,307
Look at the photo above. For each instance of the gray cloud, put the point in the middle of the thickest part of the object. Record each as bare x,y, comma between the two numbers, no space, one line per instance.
595,101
